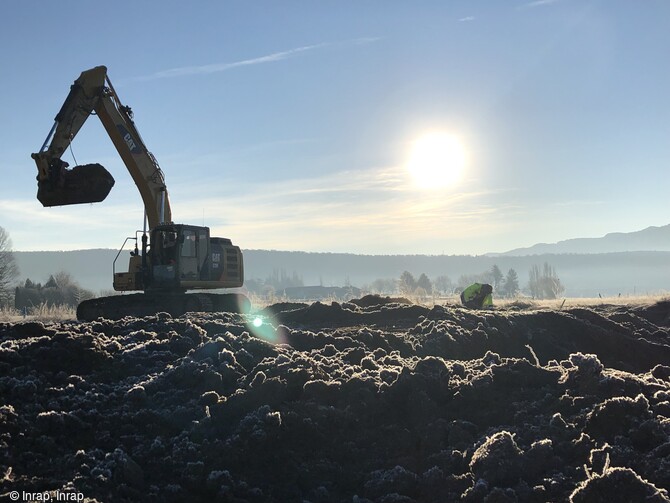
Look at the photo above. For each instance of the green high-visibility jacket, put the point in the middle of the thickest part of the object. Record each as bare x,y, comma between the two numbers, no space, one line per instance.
477,296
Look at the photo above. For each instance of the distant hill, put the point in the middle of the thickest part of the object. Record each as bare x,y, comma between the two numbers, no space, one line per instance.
92,269
627,263
584,275
649,239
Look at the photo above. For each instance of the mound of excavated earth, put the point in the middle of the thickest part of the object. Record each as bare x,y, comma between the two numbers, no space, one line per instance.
376,400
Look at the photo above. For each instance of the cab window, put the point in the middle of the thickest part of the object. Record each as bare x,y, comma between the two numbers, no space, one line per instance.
188,245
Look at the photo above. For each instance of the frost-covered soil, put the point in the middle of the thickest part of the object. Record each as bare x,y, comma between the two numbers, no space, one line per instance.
373,401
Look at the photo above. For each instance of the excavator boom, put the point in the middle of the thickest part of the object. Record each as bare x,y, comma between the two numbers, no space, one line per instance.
93,94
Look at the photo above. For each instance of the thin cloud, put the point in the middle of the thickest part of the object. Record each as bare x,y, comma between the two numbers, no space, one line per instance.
578,202
26,219
539,3
336,210
466,19
370,211
268,58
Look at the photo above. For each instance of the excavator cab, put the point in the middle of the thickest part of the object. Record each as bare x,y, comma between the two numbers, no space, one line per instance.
179,256
183,257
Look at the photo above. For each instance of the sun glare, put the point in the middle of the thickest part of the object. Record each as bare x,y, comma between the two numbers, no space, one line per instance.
436,160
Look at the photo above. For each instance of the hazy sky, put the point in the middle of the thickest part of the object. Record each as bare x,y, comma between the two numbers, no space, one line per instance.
290,125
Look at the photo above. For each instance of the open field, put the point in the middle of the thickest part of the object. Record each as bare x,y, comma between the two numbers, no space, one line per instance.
366,401
47,313
42,312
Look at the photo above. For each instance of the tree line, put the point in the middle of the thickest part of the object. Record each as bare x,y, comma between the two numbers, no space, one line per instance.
278,281
59,290
543,283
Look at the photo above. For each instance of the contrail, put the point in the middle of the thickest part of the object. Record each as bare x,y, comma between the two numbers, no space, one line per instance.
269,58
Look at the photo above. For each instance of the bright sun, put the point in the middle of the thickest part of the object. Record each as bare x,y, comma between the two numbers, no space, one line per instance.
436,160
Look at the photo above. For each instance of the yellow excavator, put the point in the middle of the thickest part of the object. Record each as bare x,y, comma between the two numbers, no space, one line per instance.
171,258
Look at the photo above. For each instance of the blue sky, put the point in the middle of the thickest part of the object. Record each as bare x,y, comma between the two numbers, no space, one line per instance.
288,125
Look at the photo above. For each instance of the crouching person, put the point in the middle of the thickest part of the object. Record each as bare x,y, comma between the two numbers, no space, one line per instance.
478,296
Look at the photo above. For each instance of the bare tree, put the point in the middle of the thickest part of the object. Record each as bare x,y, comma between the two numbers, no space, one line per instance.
544,284
63,279
8,269
497,277
552,285
535,282
443,284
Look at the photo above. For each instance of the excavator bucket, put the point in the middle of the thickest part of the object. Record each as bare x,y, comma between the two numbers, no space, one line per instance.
88,183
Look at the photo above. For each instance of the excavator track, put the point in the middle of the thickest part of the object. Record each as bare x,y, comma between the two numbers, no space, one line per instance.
176,304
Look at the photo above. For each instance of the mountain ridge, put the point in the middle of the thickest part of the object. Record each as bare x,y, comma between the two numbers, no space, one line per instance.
653,238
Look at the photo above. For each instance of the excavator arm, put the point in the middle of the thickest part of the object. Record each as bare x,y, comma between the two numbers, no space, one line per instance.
93,94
